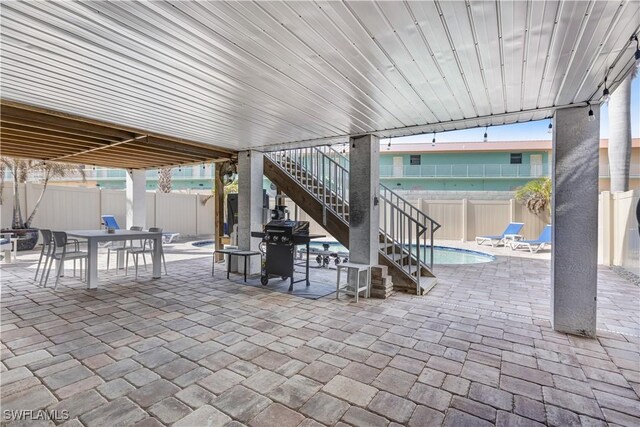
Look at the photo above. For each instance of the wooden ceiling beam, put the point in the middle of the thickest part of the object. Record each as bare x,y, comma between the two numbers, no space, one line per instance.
83,123
78,146
59,150
169,145
22,124
46,120
113,162
45,133
9,133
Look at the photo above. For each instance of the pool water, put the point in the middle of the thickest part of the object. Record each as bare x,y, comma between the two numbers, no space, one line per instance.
441,254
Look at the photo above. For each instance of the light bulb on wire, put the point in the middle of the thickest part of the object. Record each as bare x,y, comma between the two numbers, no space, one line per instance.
605,93
637,54
550,127
485,138
389,145
591,117
433,141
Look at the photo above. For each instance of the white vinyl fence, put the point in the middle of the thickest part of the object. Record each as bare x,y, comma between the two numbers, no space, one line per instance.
76,208
619,240
67,208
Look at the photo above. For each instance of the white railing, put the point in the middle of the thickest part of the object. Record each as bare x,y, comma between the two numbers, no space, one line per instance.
324,173
482,170
464,171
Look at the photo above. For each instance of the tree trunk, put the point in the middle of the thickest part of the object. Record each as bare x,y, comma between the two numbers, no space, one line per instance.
17,212
35,208
620,136
164,180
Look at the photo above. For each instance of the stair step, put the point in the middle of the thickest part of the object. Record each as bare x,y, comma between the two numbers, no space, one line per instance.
427,283
398,256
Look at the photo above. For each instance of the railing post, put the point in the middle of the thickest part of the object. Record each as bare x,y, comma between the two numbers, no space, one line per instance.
432,248
324,195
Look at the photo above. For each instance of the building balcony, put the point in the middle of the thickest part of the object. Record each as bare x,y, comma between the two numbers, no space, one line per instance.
526,171
465,171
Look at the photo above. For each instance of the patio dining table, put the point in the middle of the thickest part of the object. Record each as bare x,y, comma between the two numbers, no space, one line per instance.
94,237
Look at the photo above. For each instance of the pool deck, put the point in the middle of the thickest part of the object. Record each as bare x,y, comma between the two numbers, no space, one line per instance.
189,349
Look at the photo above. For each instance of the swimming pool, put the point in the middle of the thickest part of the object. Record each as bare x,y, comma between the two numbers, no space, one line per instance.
442,255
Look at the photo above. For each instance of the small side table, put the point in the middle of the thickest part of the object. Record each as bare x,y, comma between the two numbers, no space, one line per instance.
235,252
357,268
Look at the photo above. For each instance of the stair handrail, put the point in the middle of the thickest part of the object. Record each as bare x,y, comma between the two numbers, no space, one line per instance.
433,224
314,164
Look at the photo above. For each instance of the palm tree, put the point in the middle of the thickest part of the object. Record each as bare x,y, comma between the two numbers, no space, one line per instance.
536,195
619,150
164,180
38,171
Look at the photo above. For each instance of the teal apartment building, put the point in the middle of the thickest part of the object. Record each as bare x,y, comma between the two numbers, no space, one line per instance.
471,166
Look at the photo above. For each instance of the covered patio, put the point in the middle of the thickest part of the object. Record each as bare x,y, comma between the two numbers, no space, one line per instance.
267,88
190,349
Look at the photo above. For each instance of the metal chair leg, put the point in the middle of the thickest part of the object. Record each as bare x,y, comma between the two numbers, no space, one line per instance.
145,261
60,269
164,263
126,264
135,260
108,256
47,266
39,261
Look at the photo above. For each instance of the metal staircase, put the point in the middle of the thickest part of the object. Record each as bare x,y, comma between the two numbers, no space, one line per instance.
317,180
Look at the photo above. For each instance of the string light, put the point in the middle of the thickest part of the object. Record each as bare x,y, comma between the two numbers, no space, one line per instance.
203,165
486,135
605,93
550,127
591,117
433,141
389,145
637,55
344,149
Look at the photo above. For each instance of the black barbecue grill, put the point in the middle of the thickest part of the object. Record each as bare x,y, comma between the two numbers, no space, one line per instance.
279,239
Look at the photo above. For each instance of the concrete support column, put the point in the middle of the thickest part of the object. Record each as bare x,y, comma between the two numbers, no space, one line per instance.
250,173
364,209
136,191
619,150
575,221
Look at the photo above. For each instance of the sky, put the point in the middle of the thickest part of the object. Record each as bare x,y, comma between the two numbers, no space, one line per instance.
528,131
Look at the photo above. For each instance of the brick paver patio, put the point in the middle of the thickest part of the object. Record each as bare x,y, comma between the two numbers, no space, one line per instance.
191,350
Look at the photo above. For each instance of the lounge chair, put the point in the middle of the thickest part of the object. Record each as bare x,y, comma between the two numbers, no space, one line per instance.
510,232
109,221
543,240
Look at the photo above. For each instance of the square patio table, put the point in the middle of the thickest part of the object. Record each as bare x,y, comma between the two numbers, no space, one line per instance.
94,237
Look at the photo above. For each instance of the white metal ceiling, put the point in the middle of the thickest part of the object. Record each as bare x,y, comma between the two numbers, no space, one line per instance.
257,74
